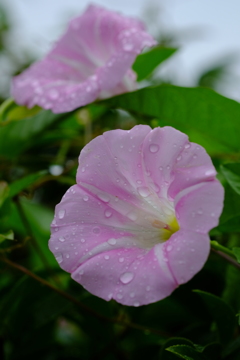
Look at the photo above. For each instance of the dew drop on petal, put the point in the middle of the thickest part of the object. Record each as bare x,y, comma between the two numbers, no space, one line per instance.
210,172
106,257
61,214
96,230
143,191
85,198
187,146
82,240
136,303
119,296
112,241
53,94
132,294
108,213
59,257
81,272
132,215
103,197
62,238
153,148
121,259
148,288
126,277
169,248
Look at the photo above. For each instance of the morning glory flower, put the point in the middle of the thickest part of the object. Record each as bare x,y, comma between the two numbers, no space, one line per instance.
135,226
92,60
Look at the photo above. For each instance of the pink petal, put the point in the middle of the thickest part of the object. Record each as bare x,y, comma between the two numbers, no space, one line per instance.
110,229
92,59
187,252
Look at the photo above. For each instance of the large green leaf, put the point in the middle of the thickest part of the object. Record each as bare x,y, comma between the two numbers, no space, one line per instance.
221,313
186,352
208,118
145,63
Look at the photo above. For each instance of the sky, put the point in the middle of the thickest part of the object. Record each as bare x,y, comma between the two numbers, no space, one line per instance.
208,31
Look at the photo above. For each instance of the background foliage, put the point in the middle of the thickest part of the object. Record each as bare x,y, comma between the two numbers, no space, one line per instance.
46,315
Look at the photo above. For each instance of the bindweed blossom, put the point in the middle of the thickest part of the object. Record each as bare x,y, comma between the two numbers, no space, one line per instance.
135,226
92,60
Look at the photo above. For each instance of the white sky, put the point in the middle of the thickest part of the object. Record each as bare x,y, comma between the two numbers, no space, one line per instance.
211,29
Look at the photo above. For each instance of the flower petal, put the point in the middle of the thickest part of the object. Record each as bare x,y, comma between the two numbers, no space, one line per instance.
92,59
187,252
130,276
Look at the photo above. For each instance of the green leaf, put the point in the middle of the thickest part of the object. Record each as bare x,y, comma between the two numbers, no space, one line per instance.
196,111
231,173
4,191
186,352
165,354
236,251
231,210
221,313
10,111
17,186
145,63
9,235
16,134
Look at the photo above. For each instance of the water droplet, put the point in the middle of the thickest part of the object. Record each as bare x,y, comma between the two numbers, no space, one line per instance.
132,216
126,277
119,296
106,257
103,197
83,169
81,272
169,248
85,198
96,230
61,214
128,46
194,156
108,213
148,288
187,146
210,172
59,257
88,89
143,191
200,212
82,240
67,256
179,158
121,259
53,94
112,241
212,214
62,238
160,168
136,303
153,148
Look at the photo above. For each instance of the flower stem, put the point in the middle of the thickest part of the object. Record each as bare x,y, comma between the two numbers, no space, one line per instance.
81,305
225,253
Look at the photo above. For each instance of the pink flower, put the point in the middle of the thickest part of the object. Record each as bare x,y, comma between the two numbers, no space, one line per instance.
136,224
92,60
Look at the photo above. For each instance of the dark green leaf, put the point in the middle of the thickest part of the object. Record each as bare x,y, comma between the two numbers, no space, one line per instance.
4,192
195,111
17,186
221,313
145,63
231,173
165,354
236,251
186,352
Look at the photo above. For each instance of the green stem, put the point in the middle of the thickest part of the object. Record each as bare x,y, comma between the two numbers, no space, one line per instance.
215,245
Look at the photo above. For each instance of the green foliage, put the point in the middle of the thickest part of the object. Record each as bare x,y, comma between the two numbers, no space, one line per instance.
45,314
147,62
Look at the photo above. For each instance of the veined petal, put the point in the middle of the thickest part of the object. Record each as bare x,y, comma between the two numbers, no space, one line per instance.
92,60
136,224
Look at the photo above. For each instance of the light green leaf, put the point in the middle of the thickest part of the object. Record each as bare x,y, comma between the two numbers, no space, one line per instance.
208,118
145,63
7,236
